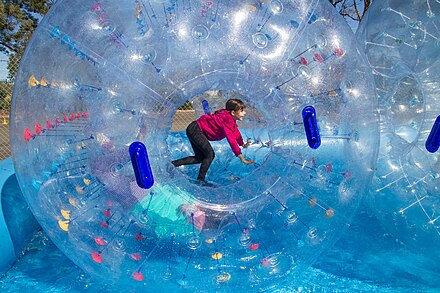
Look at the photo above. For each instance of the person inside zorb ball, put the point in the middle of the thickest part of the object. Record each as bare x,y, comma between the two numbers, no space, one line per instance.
93,135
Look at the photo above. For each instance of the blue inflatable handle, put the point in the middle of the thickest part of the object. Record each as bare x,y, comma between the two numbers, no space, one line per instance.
141,165
311,127
206,107
433,142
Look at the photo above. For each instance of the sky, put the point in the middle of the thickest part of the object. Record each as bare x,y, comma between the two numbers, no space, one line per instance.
3,70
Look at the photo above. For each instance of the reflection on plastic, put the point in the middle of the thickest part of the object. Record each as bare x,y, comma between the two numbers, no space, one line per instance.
141,165
311,127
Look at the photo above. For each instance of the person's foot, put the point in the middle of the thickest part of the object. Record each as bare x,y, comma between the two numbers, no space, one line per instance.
171,169
205,183
209,184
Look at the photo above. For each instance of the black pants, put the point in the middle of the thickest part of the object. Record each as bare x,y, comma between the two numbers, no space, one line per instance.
204,154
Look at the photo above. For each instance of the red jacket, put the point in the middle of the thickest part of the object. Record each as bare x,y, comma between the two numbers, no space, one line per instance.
219,125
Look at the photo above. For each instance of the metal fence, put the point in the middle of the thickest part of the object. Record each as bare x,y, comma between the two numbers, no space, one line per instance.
6,87
184,115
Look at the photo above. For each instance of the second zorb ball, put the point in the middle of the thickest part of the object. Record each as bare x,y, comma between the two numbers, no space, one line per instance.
401,40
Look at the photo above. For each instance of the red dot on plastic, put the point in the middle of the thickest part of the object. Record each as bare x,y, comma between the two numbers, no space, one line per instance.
99,241
38,128
28,134
48,124
138,276
318,58
97,257
254,246
107,213
136,256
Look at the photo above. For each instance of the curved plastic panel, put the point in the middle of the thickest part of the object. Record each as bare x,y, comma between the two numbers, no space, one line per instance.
141,165
311,127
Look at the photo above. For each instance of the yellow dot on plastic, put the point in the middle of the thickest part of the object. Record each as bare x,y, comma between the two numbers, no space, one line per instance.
86,181
5,122
32,81
329,213
64,225
217,256
79,189
72,201
223,277
209,241
43,81
53,84
65,214
251,7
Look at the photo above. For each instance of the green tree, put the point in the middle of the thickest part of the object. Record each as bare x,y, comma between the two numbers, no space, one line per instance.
18,20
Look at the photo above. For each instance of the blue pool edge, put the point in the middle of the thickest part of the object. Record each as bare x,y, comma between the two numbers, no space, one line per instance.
6,245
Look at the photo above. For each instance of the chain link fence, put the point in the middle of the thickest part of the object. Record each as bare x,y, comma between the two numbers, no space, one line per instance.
6,87
190,111
184,115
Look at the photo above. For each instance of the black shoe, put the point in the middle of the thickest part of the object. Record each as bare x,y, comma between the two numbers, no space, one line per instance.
204,183
171,169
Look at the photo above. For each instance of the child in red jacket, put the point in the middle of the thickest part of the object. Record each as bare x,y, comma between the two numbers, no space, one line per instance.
212,127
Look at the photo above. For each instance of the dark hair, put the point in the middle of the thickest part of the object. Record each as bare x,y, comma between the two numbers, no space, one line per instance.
234,105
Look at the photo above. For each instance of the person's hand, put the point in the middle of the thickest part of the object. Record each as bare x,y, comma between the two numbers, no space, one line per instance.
244,160
248,143
248,162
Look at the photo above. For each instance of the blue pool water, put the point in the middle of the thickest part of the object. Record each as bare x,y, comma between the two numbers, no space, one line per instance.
365,259
325,248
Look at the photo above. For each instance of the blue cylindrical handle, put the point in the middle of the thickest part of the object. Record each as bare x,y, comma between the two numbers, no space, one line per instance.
206,107
433,142
311,127
141,165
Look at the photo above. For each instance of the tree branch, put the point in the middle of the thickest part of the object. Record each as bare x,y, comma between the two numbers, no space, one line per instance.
7,46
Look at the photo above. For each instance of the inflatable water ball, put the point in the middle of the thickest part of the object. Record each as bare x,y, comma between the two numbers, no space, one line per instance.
402,43
92,139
